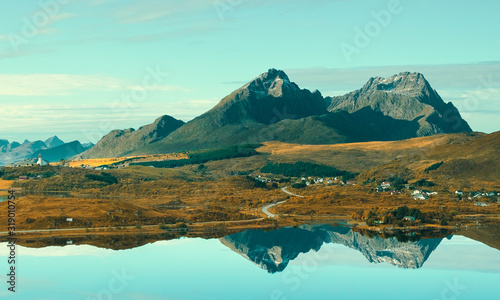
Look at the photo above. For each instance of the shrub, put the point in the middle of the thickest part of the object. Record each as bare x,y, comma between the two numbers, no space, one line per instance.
434,167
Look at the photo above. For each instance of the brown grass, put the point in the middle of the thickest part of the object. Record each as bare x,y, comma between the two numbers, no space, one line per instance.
358,157
5,184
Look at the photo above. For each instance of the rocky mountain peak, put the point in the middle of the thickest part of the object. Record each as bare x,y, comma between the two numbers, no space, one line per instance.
402,83
273,82
54,142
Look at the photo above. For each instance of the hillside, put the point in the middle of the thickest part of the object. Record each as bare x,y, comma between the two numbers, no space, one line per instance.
358,157
120,143
64,151
464,165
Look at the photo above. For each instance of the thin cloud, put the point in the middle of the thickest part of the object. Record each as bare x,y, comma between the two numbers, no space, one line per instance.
54,84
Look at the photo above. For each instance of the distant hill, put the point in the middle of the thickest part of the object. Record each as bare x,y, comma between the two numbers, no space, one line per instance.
14,152
63,151
124,142
272,108
11,153
53,142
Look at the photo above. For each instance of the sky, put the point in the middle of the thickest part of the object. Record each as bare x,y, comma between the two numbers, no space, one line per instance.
79,69
167,270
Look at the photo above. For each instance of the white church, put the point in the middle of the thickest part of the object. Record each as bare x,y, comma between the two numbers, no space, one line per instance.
41,161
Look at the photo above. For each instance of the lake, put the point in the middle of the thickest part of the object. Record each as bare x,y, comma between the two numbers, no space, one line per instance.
308,262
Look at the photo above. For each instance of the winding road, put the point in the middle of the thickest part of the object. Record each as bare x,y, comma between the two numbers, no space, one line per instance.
266,208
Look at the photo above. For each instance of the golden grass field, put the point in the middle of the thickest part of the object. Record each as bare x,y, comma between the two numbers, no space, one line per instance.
97,162
358,157
5,184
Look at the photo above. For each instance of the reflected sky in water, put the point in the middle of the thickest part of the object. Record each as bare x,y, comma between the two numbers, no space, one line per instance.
207,269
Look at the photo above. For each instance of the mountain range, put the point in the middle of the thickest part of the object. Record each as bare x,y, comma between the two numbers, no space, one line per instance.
52,150
273,108
274,250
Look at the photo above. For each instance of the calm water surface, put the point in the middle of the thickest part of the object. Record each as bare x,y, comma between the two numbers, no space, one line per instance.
309,262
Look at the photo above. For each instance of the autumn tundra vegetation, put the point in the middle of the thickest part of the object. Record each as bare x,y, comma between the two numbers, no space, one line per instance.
224,189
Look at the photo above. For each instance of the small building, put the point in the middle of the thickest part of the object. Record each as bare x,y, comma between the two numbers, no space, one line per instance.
385,185
69,219
416,192
409,218
23,177
420,197
460,193
351,182
41,161
482,204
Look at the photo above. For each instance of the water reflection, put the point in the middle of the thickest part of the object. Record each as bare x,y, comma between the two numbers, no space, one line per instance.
274,250
348,265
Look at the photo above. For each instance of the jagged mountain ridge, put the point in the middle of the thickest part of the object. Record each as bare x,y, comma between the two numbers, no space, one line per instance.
274,250
406,96
54,147
272,108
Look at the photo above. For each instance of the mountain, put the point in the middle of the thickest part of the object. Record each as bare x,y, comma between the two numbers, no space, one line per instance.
53,142
406,96
124,142
245,114
273,108
64,151
14,152
52,150
274,250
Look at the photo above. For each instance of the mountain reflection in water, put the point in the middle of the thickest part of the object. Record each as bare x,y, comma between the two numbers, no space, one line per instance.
273,250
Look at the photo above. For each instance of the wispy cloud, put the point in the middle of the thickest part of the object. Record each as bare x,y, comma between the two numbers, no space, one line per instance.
66,84
54,84
148,10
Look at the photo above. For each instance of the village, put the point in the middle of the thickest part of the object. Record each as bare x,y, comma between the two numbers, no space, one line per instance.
385,187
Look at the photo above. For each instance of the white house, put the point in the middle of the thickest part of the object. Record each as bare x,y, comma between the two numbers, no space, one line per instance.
385,185
420,197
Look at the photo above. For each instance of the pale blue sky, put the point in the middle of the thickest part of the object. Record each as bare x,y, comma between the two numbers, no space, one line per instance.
69,73
167,270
